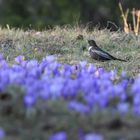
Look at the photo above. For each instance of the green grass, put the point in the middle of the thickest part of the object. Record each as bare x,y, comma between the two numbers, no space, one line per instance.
64,43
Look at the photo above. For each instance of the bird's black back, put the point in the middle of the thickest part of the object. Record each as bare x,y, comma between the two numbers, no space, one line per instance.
99,54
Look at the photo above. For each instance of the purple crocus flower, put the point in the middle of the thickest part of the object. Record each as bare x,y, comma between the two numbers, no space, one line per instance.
83,64
1,57
35,73
78,107
91,69
2,134
123,108
93,136
19,59
70,88
59,136
135,86
124,74
136,99
31,64
29,100
3,64
112,74
136,109
50,58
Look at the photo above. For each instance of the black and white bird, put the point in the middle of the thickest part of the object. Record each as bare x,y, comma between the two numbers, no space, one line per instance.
99,54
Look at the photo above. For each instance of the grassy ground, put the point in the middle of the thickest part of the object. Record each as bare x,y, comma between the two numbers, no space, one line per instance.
67,44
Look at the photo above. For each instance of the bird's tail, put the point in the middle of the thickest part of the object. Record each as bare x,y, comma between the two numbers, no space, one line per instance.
120,59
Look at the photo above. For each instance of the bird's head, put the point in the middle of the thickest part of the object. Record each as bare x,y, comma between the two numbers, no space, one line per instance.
92,42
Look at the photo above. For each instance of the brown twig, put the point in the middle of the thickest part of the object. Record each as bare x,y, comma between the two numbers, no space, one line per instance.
125,16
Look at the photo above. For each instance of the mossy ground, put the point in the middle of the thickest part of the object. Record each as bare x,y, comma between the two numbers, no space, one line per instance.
68,44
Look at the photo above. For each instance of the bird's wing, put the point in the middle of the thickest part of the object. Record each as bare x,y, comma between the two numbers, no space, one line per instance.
102,54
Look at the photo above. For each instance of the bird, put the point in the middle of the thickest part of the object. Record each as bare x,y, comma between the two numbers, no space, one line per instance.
99,54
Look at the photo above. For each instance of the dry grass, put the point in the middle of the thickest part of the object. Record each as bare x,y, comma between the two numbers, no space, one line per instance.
135,18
